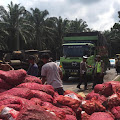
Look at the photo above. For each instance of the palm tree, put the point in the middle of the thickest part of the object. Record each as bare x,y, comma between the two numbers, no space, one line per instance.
13,22
59,28
3,40
37,19
78,26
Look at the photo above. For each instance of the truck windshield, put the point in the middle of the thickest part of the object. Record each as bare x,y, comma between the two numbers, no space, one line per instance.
76,50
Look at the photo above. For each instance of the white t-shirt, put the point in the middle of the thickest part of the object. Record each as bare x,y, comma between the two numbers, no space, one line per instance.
51,72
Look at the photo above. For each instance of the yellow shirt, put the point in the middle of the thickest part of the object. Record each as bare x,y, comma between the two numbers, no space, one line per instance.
98,67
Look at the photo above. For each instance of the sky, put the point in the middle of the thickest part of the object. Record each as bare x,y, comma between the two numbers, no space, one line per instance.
99,14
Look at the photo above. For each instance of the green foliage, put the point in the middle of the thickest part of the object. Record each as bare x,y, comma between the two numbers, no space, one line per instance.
22,29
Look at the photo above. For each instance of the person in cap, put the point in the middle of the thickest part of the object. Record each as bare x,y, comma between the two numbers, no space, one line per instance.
5,67
98,71
51,74
33,67
83,70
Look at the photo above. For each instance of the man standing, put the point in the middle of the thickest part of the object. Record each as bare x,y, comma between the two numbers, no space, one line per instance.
33,68
83,70
98,71
51,74
117,65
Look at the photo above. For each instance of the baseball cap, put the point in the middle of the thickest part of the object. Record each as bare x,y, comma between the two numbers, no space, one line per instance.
98,56
85,57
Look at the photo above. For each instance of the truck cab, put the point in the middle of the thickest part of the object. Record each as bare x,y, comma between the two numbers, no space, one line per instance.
75,46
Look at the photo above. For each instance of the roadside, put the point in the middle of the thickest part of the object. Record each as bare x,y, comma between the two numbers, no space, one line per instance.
72,82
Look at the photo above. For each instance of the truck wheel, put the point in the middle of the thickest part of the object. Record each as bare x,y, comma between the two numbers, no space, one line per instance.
65,77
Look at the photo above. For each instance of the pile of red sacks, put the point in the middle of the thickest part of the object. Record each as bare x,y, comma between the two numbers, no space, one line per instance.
27,95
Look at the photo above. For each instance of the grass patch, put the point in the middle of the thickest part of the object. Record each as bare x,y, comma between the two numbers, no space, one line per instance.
118,79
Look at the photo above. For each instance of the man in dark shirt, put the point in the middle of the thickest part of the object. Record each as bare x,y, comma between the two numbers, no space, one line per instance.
33,67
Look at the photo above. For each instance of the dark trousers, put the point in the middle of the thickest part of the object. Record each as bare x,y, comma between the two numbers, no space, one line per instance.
98,79
59,90
118,69
83,79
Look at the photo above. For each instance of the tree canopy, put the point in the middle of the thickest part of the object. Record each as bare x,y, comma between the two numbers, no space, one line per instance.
21,29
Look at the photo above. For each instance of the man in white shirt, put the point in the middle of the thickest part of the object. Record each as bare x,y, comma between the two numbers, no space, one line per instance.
51,74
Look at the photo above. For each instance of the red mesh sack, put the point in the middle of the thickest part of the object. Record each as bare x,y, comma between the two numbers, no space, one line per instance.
69,91
20,92
60,113
104,89
7,113
115,85
10,99
35,86
91,95
14,106
84,116
97,96
54,98
37,101
101,116
33,79
13,77
67,110
42,95
113,101
67,101
78,113
13,100
35,112
4,85
91,106
116,112
70,117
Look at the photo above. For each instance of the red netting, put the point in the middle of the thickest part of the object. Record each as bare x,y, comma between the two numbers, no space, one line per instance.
70,117
67,110
69,91
115,85
14,106
67,101
42,95
35,86
84,116
99,97
116,112
37,101
13,77
104,89
101,116
10,99
58,111
35,112
113,101
33,79
4,85
91,106
20,92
